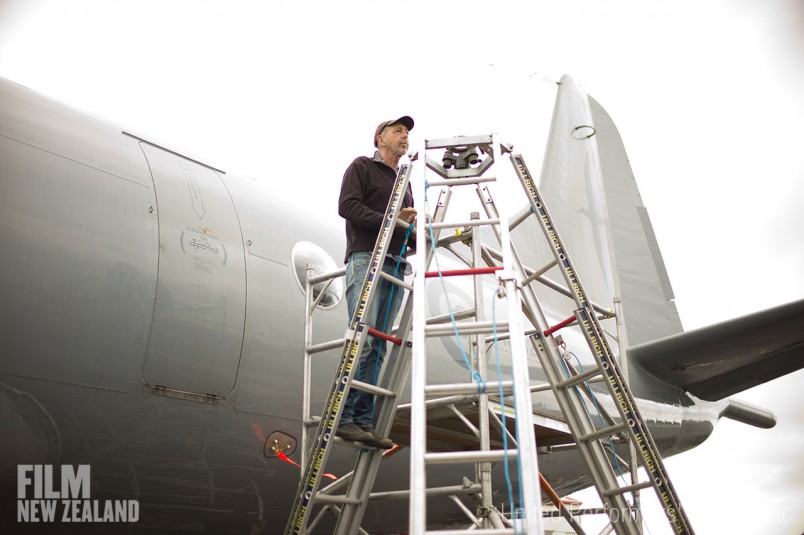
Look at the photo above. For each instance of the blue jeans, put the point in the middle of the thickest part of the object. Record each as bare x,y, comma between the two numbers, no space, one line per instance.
380,314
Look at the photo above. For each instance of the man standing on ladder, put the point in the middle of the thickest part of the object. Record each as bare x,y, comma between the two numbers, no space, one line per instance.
365,191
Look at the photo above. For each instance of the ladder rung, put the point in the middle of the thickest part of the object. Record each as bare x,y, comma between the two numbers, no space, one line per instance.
404,225
325,346
536,274
394,280
468,271
629,488
506,336
559,326
444,318
460,457
605,432
497,255
470,223
519,217
327,276
473,327
340,500
436,403
372,389
492,387
580,378
379,334
461,181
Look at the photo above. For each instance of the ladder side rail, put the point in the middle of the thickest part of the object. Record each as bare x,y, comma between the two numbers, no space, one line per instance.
395,376
637,428
528,459
617,387
308,485
483,470
307,369
442,203
546,224
622,341
418,373
592,452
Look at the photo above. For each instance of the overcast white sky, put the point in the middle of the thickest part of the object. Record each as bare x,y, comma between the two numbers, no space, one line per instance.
708,97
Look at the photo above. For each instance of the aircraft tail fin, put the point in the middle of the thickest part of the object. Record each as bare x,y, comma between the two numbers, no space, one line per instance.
644,286
601,217
608,231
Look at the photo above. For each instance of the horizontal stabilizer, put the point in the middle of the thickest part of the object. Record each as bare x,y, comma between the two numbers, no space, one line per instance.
720,360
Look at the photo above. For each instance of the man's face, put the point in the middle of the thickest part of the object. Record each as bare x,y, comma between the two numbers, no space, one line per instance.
395,138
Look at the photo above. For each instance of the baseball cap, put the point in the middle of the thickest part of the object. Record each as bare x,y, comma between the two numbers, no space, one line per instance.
405,120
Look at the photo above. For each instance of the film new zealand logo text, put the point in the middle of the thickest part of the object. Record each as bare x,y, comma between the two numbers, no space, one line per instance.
62,494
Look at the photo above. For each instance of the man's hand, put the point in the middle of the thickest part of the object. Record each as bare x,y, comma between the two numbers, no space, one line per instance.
408,215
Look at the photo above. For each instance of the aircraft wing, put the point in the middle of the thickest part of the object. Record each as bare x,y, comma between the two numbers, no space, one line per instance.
720,360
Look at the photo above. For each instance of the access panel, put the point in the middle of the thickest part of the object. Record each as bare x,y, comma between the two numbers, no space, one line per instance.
199,316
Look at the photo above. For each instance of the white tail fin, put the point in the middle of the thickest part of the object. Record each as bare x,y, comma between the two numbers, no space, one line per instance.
594,198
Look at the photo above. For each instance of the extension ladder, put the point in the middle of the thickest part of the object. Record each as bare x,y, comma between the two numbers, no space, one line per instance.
588,436
316,452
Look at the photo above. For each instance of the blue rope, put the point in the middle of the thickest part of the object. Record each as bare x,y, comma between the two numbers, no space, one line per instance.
381,343
481,384
603,424
597,408
502,413
396,273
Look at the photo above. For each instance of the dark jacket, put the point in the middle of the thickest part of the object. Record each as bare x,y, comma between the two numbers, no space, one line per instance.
365,192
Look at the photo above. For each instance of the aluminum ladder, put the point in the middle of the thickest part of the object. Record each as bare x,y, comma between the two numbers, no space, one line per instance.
590,436
466,155
349,507
315,458
516,280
